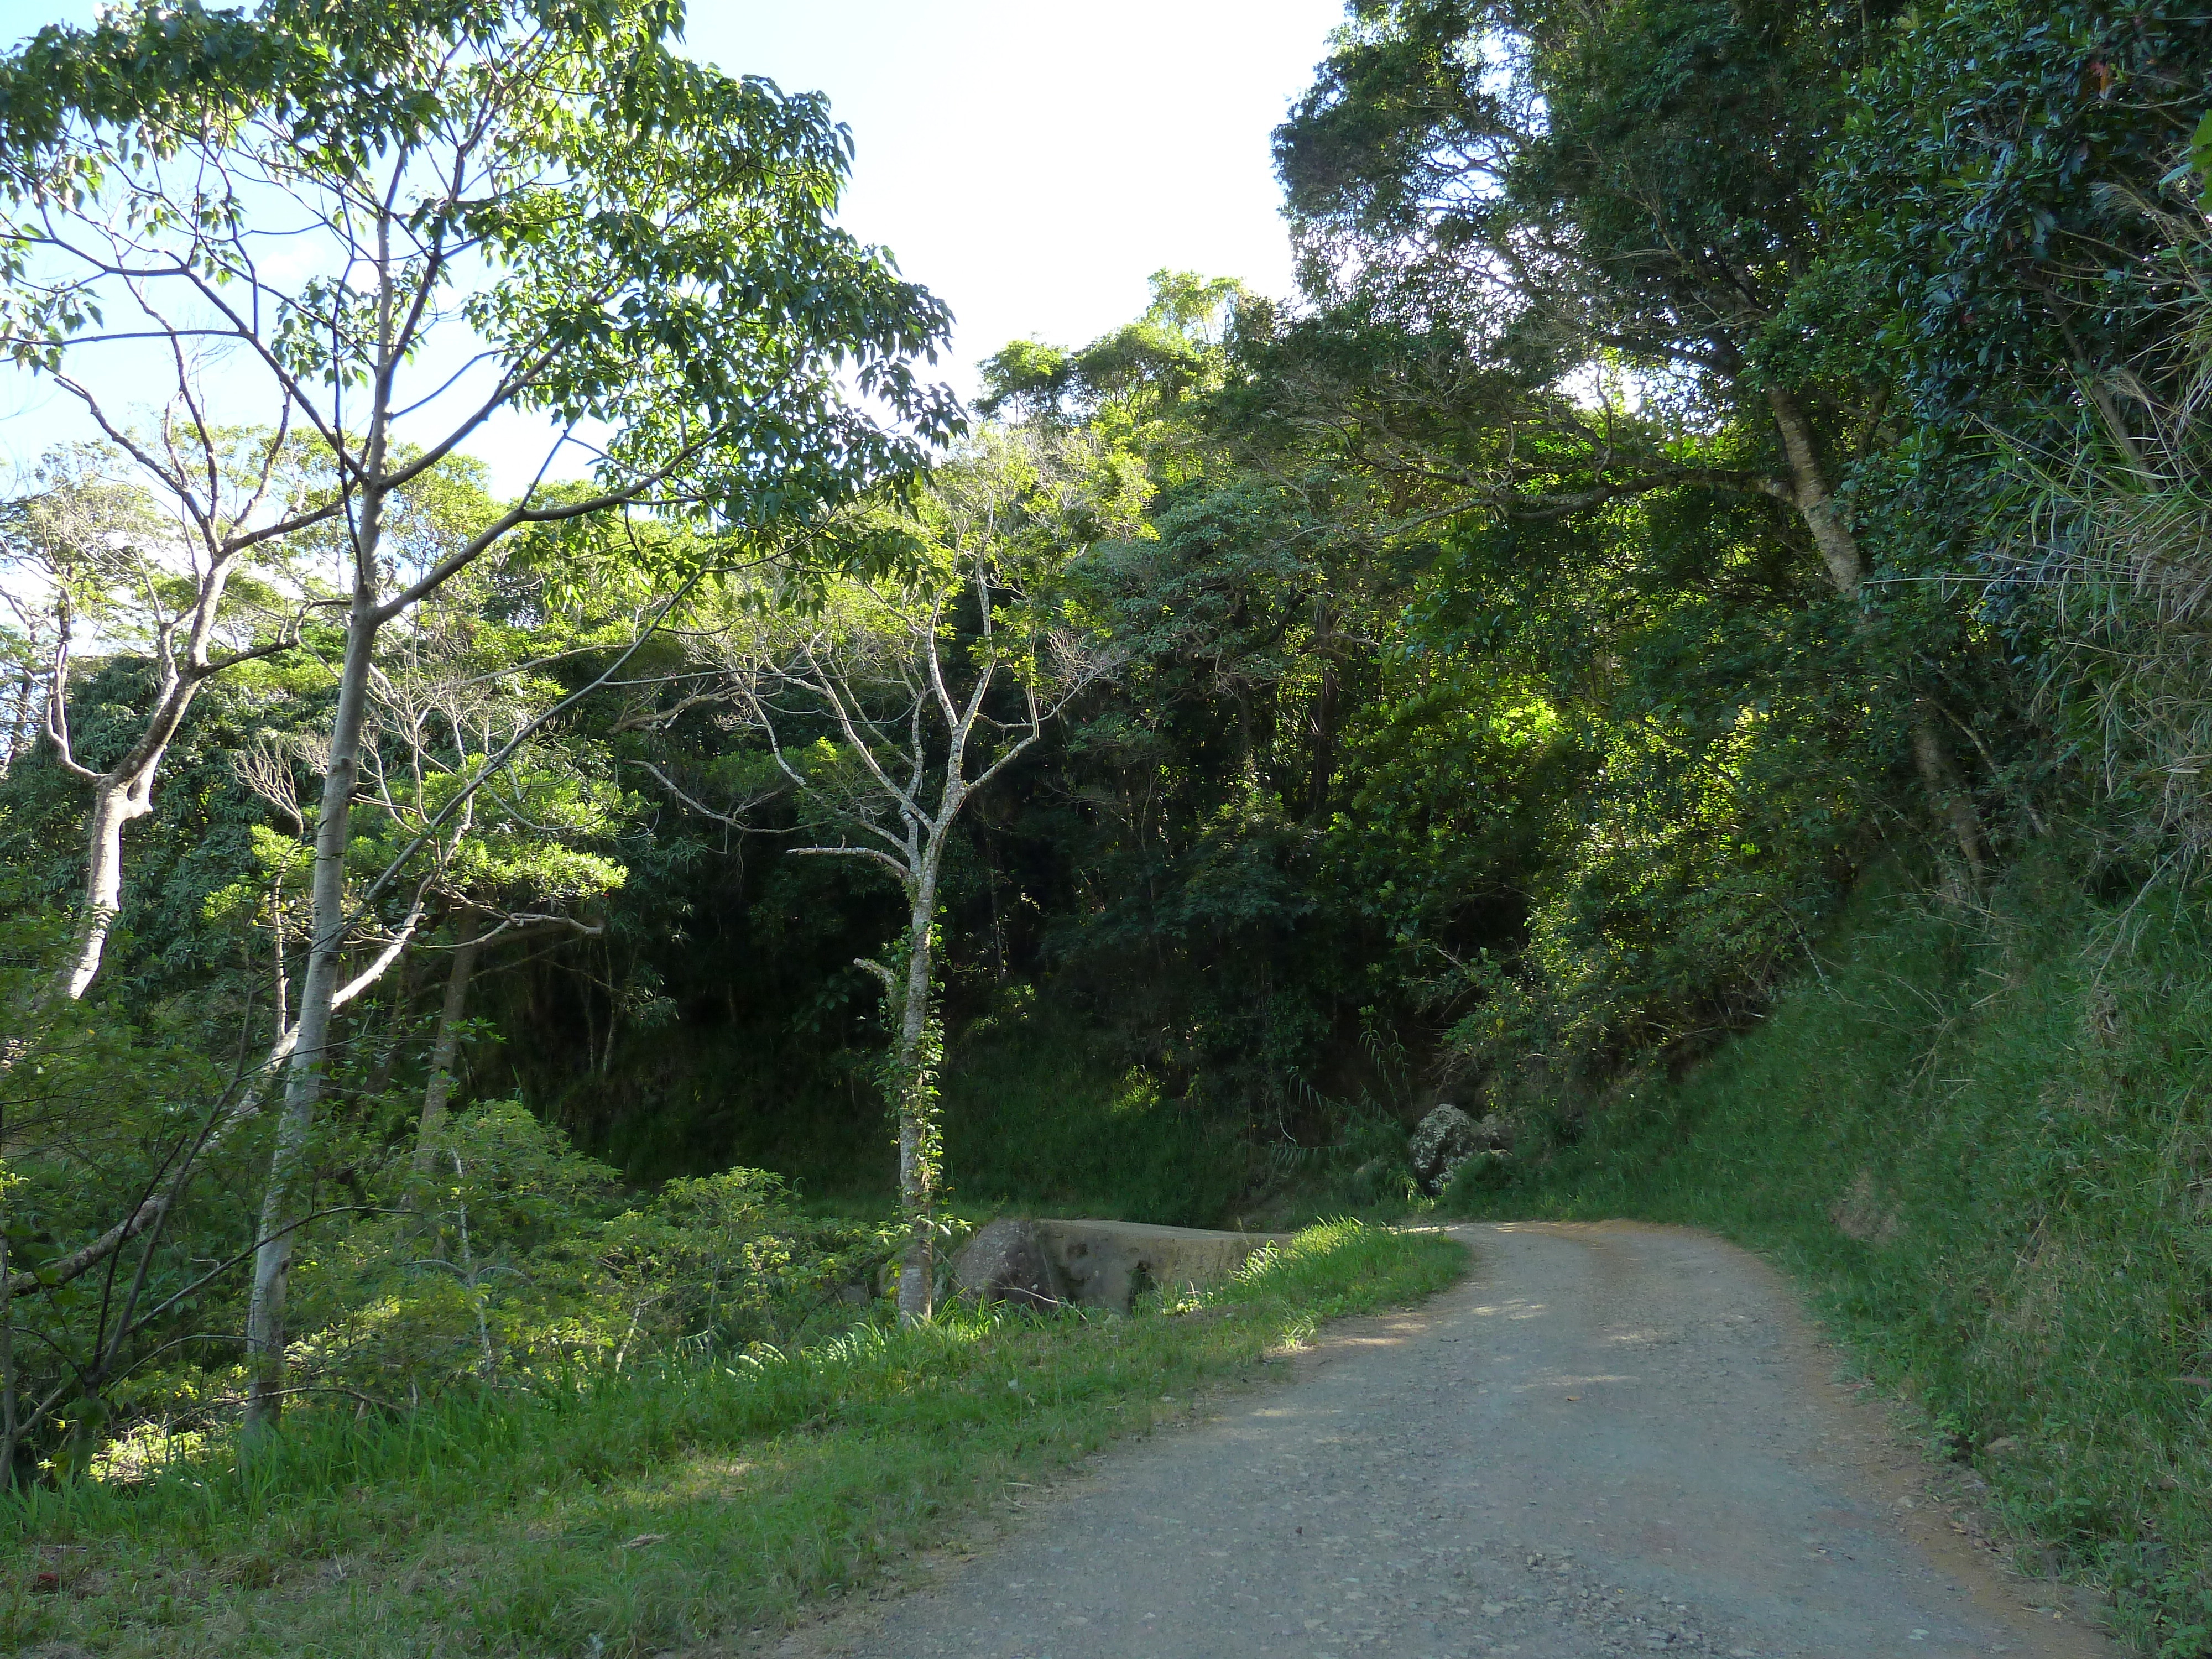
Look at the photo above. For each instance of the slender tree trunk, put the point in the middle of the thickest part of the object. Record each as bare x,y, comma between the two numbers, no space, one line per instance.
991,873
1939,773
280,987
395,1023
917,1110
1815,503
1322,772
23,723
445,1048
470,1278
614,1014
303,1079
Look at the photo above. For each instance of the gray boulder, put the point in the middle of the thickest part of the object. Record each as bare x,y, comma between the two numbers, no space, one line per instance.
1447,1138
1009,1262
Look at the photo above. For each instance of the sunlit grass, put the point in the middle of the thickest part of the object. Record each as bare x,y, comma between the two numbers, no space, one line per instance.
629,1515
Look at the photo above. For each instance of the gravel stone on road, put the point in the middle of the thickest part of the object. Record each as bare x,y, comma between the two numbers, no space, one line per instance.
1606,1440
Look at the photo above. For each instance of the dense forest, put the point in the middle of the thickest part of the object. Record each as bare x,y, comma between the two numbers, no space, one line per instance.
1728,463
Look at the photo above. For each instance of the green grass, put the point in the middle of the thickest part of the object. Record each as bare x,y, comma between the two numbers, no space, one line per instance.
646,1512
1983,1141
1034,1124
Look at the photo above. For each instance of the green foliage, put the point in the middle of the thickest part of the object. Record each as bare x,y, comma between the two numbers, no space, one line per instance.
1564,188
729,1260
1719,447
518,1257
2101,558
660,232
1130,382
1991,184
1037,1121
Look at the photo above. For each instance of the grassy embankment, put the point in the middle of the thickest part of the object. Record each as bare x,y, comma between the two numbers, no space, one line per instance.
645,1512
1983,1140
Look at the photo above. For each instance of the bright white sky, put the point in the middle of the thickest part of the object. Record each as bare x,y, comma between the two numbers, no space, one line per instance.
1030,161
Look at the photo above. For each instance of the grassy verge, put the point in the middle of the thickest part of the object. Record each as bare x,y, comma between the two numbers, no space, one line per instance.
646,1512
1983,1141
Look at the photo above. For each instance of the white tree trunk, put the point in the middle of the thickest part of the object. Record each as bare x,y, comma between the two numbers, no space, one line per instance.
125,792
22,726
303,1079
280,986
899,768
115,803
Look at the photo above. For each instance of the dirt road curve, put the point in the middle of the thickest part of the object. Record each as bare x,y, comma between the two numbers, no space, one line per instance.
1607,1440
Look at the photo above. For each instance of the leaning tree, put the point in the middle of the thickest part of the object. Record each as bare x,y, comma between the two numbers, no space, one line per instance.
87,548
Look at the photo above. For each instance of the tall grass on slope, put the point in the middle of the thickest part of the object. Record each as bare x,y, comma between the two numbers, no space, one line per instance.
2109,558
1986,1142
628,1514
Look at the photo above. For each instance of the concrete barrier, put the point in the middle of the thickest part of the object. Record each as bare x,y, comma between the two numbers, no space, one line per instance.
1104,1264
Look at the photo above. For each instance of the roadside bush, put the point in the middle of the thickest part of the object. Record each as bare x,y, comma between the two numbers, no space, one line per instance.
520,1256
514,1259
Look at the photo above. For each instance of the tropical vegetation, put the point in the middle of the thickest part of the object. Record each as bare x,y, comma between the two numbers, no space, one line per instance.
1685,636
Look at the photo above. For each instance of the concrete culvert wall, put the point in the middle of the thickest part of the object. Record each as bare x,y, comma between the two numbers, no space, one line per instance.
1096,1264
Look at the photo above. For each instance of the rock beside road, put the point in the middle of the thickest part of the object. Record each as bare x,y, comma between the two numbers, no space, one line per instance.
1446,1140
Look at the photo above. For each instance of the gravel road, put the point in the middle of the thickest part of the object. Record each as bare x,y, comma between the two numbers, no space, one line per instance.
1606,1440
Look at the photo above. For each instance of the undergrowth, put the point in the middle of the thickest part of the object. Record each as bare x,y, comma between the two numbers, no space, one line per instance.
1034,1121
626,1514
1984,1138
